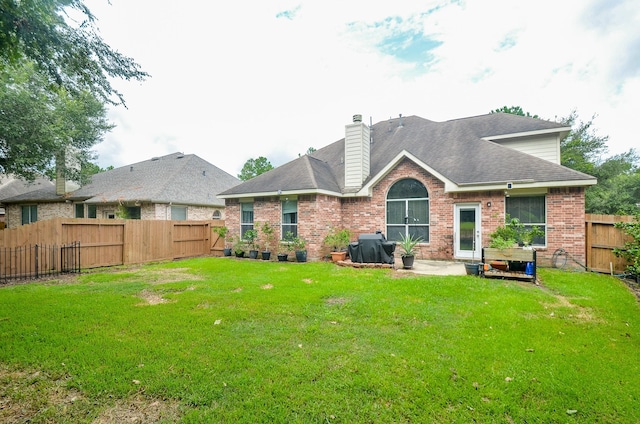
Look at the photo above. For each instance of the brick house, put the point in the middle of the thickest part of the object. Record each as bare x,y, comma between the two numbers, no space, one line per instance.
451,183
175,186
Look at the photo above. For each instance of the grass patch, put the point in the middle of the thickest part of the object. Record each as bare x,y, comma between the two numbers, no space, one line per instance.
221,340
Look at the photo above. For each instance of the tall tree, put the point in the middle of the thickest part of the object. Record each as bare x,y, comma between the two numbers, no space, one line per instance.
39,124
582,149
61,38
254,167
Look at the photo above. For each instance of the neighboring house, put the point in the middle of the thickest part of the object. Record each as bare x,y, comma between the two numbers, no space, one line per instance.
451,183
175,186
10,186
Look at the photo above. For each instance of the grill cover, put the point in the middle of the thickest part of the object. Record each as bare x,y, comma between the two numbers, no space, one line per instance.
372,248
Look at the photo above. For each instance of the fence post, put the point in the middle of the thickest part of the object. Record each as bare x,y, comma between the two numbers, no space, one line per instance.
36,259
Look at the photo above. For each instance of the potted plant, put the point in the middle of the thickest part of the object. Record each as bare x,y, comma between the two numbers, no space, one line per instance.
238,247
408,245
285,247
299,244
512,235
251,237
337,240
222,233
269,239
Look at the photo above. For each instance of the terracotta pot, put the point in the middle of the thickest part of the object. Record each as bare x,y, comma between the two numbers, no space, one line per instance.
501,265
338,256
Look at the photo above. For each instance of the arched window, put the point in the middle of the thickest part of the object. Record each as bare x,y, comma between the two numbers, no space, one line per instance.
216,214
408,210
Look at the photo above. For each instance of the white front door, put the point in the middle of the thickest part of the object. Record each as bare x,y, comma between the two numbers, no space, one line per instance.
467,231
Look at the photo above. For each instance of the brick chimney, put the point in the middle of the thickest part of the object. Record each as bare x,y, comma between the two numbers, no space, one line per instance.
357,146
62,184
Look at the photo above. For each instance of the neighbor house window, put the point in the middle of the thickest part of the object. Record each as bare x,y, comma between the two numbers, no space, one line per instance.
133,212
92,211
79,210
179,213
246,218
531,211
408,210
289,218
216,215
29,214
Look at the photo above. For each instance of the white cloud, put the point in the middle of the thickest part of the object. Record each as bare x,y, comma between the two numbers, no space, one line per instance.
237,80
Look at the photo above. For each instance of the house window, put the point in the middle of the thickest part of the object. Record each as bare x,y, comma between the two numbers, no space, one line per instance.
109,215
92,211
216,215
179,213
133,212
289,218
246,218
29,214
408,210
79,210
531,211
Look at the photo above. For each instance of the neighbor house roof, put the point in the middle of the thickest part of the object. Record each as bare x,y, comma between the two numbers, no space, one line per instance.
10,187
458,152
176,178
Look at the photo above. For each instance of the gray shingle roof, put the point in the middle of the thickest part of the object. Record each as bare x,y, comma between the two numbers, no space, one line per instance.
11,187
176,178
455,149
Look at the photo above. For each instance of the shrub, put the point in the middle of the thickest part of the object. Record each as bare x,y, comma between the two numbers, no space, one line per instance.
338,239
513,232
631,249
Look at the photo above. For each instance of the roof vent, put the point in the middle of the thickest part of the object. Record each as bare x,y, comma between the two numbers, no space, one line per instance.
357,118
180,156
131,169
155,158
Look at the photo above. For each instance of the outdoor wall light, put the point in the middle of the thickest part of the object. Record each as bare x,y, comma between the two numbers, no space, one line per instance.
488,204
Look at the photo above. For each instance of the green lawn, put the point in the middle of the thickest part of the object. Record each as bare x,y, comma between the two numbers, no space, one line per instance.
242,341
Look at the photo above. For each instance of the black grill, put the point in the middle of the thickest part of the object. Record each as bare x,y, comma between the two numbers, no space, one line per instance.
372,248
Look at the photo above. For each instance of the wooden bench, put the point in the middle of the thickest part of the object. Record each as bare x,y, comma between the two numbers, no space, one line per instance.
511,255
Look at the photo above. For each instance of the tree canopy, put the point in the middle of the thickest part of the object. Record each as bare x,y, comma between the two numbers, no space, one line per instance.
514,110
254,167
56,74
73,57
39,125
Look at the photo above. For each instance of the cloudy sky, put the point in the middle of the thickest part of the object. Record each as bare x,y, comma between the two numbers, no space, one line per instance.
237,80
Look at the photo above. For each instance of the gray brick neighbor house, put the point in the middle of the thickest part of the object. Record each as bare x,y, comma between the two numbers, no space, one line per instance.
409,175
174,186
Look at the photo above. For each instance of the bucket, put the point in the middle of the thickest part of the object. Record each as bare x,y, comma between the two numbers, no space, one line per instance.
472,269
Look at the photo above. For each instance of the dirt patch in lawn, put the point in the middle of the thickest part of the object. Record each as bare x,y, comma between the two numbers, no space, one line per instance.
151,298
140,409
336,300
577,312
173,275
35,396
25,395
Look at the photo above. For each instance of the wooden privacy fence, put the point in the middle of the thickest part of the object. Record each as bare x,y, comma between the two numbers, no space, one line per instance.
601,238
109,242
